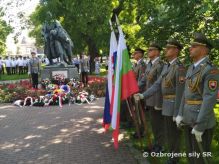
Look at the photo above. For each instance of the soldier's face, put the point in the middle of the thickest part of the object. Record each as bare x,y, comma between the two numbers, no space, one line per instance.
137,55
170,52
153,52
195,50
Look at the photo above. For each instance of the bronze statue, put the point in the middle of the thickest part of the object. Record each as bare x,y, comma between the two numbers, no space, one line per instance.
58,44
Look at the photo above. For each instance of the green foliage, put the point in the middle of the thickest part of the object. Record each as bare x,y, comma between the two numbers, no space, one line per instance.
142,21
161,19
5,31
84,20
6,77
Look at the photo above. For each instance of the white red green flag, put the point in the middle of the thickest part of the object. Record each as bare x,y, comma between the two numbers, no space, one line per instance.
125,84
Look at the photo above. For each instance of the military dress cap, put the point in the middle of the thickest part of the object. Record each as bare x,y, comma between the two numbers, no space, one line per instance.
155,46
139,50
201,39
174,43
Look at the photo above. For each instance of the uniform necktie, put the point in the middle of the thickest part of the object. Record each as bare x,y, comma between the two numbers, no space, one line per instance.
193,67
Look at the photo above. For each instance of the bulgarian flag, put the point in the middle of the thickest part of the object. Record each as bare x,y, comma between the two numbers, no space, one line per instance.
125,84
110,78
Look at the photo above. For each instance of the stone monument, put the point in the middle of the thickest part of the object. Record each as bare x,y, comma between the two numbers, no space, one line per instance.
58,46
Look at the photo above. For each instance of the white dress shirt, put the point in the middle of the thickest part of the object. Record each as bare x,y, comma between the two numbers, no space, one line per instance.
171,62
7,63
20,63
198,62
13,63
153,61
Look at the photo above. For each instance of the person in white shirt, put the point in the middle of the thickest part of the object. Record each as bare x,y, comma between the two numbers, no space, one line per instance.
16,63
20,65
13,66
47,61
25,62
2,66
77,62
8,65
97,66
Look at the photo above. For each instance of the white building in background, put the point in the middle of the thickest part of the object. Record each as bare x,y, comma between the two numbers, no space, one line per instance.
23,48
26,46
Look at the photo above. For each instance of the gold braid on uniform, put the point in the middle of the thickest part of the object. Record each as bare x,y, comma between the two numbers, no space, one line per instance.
152,71
168,80
194,86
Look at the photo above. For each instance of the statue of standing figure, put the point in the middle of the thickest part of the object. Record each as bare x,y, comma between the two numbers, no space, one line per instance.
58,44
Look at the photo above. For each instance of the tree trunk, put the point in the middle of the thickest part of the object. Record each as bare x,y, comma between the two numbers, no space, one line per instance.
92,50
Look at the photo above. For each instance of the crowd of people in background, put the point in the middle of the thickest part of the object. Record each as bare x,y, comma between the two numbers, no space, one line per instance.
78,61
14,65
19,65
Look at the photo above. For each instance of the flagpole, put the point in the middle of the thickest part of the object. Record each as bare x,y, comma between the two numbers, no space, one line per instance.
145,124
123,90
128,101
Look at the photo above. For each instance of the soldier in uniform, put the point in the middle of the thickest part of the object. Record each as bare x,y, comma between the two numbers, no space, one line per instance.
171,82
154,103
84,68
196,110
140,66
34,69
139,70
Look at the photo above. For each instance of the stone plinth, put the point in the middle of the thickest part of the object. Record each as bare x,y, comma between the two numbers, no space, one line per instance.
68,71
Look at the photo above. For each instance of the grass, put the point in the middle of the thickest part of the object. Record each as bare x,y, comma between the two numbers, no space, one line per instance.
103,71
6,77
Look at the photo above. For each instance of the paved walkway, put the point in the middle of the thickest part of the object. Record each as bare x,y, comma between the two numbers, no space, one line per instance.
71,135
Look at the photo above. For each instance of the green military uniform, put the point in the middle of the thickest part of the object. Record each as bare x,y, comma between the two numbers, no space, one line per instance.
171,83
139,70
154,103
197,105
34,70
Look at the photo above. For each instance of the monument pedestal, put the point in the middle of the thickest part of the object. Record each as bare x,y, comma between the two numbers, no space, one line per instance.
69,72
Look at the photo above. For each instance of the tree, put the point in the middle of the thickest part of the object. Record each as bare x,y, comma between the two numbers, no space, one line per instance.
5,31
150,20
142,21
83,20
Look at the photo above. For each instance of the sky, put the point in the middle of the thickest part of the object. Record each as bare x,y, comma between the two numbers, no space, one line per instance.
11,16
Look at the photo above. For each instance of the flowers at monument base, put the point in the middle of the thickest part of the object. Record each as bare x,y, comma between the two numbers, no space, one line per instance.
45,83
59,79
70,92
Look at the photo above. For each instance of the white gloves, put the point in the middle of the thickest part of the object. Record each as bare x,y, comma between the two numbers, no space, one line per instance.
138,96
178,120
198,135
